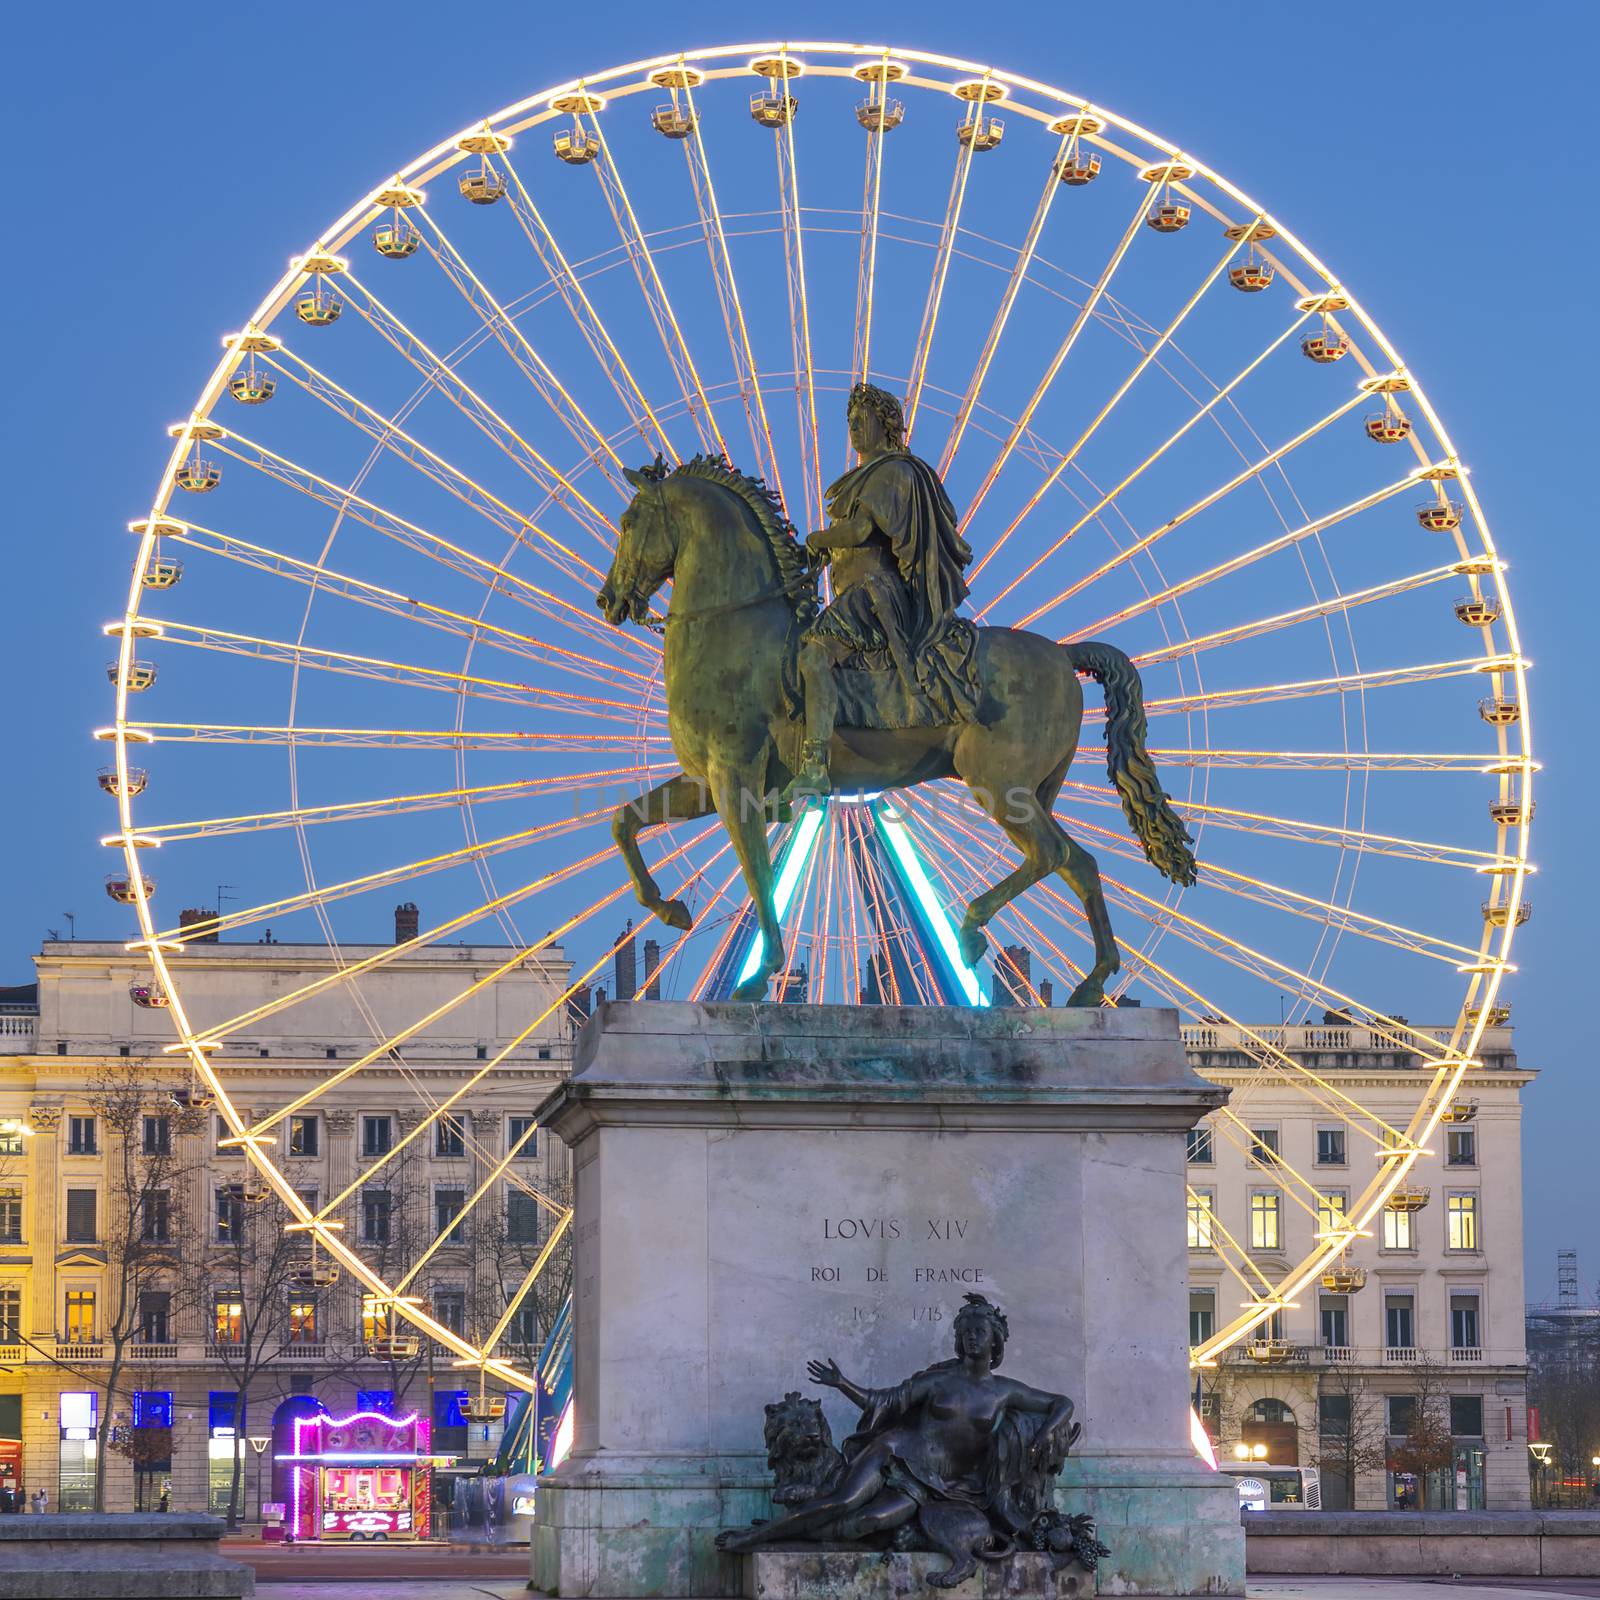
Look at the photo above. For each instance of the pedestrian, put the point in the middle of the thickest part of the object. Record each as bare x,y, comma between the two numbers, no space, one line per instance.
8,1501
43,1501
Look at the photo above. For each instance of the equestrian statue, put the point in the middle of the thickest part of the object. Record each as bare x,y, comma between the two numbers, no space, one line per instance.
774,702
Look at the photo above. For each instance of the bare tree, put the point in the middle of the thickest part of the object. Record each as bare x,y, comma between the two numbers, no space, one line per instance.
1351,1429
144,1226
1567,1394
1426,1447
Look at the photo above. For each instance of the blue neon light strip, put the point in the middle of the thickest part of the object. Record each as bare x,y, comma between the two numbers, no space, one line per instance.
937,920
794,863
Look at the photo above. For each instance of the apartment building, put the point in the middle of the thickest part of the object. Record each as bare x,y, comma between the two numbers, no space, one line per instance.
1429,1313
126,1221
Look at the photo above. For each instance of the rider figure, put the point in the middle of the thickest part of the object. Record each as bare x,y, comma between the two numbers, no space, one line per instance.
896,558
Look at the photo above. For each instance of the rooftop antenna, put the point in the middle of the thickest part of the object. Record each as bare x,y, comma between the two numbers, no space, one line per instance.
72,924
224,892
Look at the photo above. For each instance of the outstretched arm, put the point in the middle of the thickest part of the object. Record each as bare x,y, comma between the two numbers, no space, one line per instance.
827,1373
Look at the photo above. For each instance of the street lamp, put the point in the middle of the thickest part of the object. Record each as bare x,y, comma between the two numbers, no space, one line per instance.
259,1443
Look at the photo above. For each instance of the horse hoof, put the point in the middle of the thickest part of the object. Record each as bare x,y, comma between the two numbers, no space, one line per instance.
1088,993
675,914
973,942
752,988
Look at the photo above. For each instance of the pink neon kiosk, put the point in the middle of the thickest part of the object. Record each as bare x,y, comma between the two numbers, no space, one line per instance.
362,1476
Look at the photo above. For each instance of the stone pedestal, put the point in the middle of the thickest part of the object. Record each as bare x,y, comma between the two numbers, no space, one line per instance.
760,1185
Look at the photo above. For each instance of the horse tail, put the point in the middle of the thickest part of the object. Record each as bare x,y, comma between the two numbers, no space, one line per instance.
1144,802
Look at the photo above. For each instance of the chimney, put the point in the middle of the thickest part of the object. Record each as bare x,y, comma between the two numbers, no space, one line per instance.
406,919
1012,974
1047,994
652,970
625,965
578,1005
192,916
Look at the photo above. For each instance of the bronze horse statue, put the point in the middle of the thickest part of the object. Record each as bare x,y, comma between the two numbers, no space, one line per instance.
742,591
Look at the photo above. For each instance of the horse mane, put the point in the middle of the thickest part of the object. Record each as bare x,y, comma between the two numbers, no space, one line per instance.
799,586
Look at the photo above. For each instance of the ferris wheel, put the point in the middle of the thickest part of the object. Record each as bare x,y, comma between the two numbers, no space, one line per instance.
1163,419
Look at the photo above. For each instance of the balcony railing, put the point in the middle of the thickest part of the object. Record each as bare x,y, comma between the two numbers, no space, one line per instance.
153,1351
1338,1353
1400,1355
1466,1352
296,1350
79,1350
1305,1038
13,1355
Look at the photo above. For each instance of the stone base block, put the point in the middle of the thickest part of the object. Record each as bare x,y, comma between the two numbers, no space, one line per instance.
1172,1525
621,1533
819,1574
115,1556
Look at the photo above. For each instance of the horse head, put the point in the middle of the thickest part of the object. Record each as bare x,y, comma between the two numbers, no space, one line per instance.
646,551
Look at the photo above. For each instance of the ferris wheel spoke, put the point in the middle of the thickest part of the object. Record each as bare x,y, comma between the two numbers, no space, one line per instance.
871,196
1008,299
1110,497
1204,935
389,435
936,282
1286,540
608,174
1361,761
507,333
390,525
1250,473
458,739
226,922
374,668
589,322
450,1101
1337,605
1262,694
327,580
1142,366
1025,417
794,256
726,284
397,805
442,376
1300,831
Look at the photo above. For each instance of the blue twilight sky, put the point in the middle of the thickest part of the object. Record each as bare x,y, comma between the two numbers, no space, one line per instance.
170,158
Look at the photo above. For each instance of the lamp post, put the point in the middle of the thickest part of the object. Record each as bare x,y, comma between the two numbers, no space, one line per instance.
259,1443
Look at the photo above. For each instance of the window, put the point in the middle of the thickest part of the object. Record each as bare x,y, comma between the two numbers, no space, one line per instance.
1397,1230
516,1129
230,1213
1201,1202
308,1198
80,1137
1264,1146
224,1132
1202,1315
10,1313
1397,1325
156,1218
1202,1152
377,1136
81,1206
524,1325
1333,1415
152,1408
1402,1414
1461,1222
1271,1411
1466,1416
11,1139
227,1319
522,1217
157,1136
302,1136
80,1316
1265,1207
1461,1147
450,1309
1335,1311
1332,1216
302,1320
449,1138
447,1208
224,1404
375,1216
155,1316
10,1216
1330,1147
1464,1322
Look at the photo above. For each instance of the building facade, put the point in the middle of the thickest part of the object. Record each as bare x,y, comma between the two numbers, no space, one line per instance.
1430,1317
125,1221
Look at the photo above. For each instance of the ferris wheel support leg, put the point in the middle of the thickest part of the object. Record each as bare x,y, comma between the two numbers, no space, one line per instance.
680,799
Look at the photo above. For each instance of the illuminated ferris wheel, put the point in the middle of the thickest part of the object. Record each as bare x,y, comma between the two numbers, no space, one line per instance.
361,631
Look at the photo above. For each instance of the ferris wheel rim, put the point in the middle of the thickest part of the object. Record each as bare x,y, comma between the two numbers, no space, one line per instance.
1493,956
